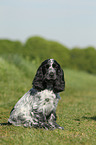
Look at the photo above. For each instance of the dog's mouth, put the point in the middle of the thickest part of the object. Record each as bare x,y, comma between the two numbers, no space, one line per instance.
49,84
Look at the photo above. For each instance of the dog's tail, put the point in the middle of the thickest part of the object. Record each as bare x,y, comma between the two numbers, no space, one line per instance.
8,123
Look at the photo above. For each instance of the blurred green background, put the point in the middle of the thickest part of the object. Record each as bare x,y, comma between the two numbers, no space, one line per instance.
37,49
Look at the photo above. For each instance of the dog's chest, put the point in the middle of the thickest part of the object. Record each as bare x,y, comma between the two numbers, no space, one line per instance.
45,101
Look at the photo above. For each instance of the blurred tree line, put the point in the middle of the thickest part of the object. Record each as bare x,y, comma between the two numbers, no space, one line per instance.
38,49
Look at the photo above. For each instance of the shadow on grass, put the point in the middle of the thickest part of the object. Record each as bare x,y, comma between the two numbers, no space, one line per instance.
89,118
85,117
5,124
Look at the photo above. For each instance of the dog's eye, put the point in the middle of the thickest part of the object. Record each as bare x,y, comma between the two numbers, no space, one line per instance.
47,66
54,65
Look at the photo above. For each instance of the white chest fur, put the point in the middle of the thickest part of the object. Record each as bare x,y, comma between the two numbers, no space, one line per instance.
45,101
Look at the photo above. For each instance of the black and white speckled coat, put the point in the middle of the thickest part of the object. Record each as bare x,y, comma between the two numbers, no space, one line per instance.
37,108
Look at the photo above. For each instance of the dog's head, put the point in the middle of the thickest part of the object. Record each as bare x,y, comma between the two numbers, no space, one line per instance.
49,76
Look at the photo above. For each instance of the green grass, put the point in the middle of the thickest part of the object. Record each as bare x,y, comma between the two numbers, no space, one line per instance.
76,110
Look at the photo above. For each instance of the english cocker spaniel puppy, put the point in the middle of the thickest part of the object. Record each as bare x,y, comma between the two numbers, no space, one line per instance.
37,108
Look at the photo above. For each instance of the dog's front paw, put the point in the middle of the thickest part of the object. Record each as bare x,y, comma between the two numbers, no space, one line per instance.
60,127
54,125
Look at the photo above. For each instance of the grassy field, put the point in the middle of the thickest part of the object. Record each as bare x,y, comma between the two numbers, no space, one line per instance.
76,110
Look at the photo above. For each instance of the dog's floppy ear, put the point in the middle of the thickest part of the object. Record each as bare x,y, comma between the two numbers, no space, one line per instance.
60,82
38,79
38,82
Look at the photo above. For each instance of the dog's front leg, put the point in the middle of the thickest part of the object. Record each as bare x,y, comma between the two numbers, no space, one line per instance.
52,122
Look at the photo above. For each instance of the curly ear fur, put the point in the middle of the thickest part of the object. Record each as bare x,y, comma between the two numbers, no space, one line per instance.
60,82
38,80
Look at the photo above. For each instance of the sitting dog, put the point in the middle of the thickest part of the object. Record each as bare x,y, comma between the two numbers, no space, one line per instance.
37,108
